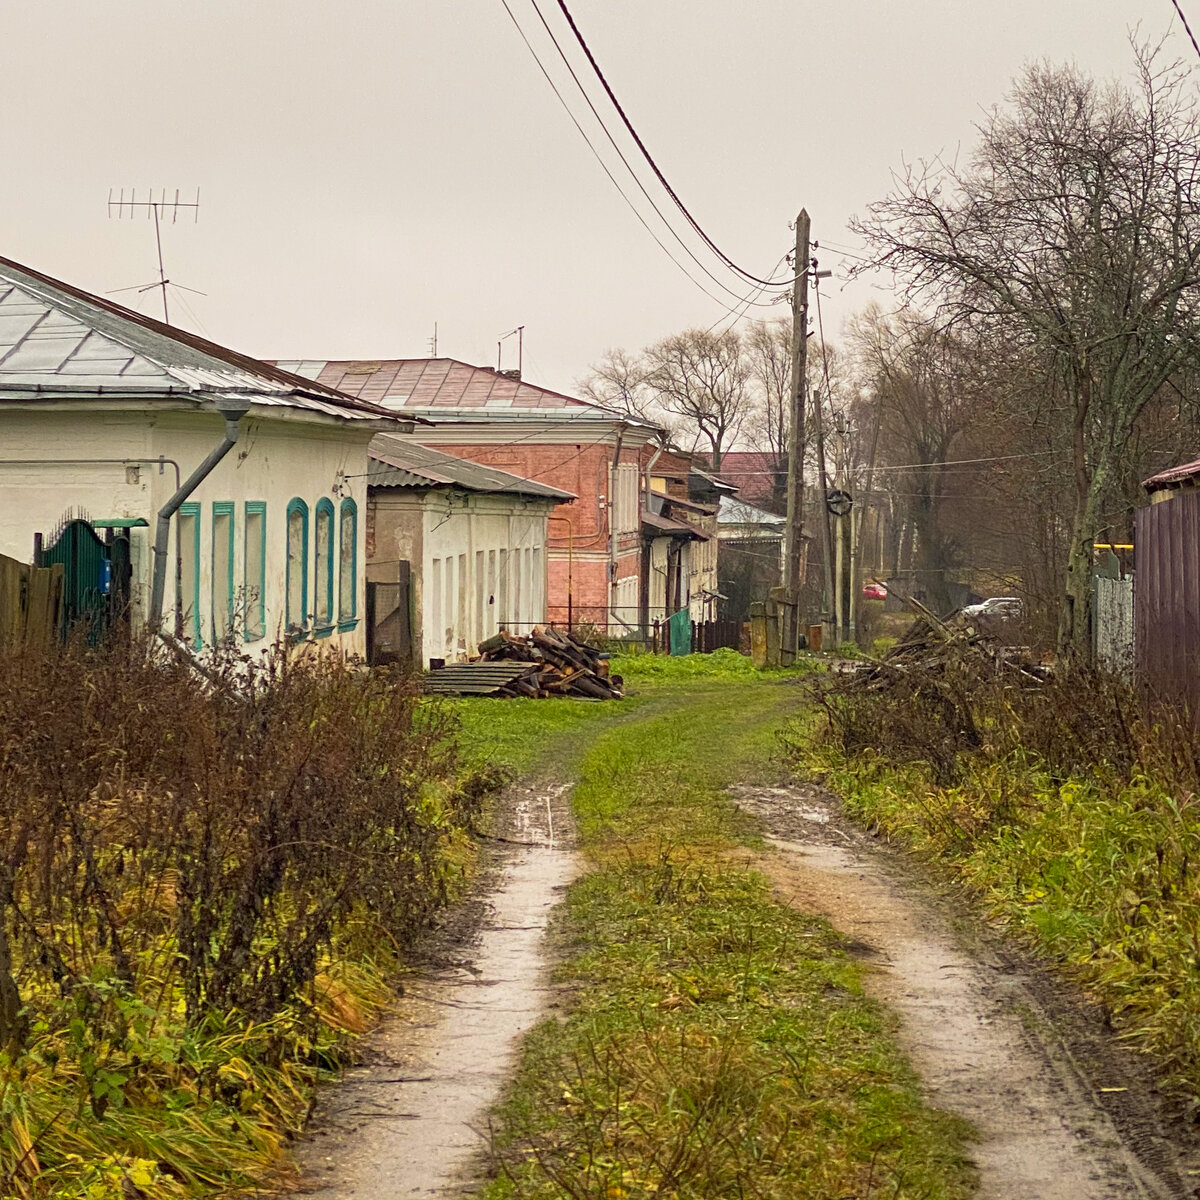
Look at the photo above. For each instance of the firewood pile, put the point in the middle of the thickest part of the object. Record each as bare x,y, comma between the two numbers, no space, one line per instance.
560,664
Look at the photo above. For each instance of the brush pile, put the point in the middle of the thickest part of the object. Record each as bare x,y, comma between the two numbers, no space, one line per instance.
560,664
934,648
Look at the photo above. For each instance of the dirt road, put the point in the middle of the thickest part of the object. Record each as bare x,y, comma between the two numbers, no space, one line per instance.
1061,1112
411,1121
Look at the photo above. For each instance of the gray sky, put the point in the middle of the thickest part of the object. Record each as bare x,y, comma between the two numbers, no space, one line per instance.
367,167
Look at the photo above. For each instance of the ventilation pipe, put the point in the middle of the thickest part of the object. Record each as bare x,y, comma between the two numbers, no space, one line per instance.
233,409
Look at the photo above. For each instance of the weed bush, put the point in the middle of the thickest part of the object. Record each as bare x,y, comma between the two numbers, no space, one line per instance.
200,878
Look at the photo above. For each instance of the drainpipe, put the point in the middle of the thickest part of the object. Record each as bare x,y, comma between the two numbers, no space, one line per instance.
644,604
233,409
612,529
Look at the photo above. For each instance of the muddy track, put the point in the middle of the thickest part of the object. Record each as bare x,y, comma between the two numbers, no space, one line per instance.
411,1119
1063,1111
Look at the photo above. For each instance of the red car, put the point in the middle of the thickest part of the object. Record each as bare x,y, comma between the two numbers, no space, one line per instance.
874,591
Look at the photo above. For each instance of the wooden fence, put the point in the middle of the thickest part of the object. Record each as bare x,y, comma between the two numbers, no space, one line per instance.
30,604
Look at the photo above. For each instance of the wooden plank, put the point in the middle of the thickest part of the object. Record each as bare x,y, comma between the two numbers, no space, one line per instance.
12,610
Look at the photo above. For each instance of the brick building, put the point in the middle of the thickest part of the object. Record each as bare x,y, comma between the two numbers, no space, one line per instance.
596,549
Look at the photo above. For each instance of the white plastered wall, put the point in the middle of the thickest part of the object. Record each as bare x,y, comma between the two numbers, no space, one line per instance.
274,461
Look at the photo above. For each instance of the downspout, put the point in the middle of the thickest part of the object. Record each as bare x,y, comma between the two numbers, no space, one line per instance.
612,528
233,410
644,606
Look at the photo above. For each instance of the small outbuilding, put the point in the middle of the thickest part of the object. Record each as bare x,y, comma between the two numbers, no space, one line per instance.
456,551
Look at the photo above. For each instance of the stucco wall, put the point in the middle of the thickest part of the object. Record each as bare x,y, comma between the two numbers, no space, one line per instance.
578,530
479,562
274,462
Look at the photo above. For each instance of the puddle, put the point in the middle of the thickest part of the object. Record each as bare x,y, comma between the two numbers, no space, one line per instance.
411,1121
968,1022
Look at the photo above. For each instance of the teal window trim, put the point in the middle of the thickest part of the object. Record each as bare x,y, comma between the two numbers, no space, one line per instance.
323,571
191,508
254,622
296,628
222,508
348,618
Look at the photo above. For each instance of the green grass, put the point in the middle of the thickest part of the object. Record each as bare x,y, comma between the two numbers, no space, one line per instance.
717,1044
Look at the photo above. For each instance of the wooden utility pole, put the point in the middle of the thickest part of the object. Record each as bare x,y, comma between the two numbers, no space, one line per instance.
793,551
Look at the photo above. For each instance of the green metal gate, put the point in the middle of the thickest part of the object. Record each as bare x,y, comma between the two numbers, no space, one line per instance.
95,576
679,632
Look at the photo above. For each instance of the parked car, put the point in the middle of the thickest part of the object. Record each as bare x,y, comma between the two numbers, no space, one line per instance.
874,591
997,608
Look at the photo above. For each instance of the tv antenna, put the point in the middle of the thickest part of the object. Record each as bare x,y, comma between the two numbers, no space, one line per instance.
433,342
520,332
159,209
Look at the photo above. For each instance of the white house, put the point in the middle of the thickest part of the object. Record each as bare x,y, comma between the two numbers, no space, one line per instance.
246,485
471,539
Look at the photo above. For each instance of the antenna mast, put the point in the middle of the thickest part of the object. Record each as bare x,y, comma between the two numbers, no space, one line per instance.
159,209
520,332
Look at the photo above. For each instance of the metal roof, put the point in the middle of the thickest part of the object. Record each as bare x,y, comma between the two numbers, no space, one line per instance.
58,341
399,462
476,679
738,512
444,387
664,525
1174,475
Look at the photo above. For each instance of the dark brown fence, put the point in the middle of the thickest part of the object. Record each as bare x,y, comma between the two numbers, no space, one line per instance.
1166,613
708,636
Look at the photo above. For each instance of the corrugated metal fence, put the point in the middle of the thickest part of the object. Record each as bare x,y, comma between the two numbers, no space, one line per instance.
1167,606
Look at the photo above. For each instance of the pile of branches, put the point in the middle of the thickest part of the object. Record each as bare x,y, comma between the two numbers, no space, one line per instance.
943,689
561,664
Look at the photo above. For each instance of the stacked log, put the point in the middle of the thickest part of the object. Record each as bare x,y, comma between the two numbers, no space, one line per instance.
561,665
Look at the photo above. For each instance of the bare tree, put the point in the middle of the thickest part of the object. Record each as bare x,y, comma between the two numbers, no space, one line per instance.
618,381
701,377
1075,228
768,349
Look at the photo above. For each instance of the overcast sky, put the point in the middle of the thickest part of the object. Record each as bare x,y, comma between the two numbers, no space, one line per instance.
369,167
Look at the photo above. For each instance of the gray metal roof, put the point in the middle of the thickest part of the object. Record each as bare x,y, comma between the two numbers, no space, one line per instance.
738,512
400,462
57,341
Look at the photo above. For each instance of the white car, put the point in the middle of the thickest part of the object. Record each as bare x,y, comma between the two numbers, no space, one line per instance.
999,608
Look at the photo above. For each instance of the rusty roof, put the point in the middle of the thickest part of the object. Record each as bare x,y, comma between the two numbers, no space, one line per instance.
401,462
665,525
58,340
443,386
1174,475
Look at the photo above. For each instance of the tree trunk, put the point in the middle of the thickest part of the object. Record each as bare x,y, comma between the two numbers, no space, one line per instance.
1075,623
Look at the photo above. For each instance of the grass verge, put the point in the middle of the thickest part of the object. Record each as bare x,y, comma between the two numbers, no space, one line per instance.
718,1044
1087,848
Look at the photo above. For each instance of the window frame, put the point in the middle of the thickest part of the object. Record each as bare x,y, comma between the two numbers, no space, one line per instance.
253,630
222,508
193,509
348,511
296,629
323,572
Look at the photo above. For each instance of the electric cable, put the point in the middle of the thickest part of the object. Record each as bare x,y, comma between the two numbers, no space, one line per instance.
1186,26
603,164
749,276
621,155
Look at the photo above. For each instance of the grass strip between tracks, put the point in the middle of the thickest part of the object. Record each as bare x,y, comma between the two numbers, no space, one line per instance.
716,1043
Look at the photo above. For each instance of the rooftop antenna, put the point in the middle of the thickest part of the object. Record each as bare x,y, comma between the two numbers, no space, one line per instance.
520,332
433,342
160,209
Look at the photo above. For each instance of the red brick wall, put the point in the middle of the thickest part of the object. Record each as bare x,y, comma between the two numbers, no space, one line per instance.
582,469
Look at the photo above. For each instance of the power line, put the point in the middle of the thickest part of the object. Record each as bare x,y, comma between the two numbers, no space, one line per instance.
603,164
751,278
747,305
1186,26
621,154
